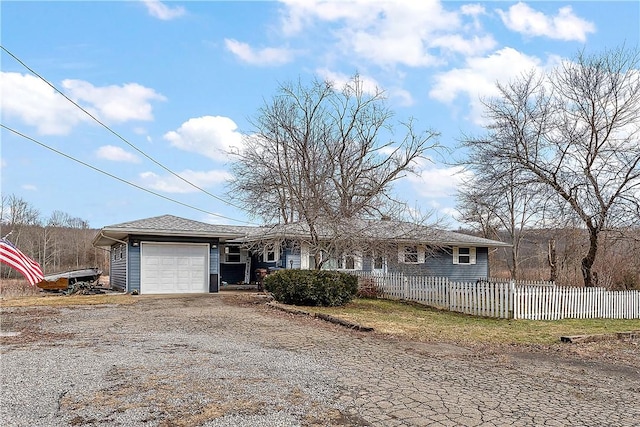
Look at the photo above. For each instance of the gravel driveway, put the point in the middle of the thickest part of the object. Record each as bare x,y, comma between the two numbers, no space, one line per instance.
218,360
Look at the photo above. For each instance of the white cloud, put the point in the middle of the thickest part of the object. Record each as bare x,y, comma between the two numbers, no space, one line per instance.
264,57
211,136
29,187
159,10
339,80
113,103
116,154
438,182
458,44
472,9
406,32
563,26
37,104
478,79
173,184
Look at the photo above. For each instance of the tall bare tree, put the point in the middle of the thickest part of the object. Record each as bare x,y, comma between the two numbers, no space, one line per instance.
575,131
321,154
500,205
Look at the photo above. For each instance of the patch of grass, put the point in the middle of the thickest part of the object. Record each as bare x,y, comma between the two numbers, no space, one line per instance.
417,322
67,300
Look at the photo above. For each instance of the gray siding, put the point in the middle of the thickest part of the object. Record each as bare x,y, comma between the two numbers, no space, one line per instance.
118,266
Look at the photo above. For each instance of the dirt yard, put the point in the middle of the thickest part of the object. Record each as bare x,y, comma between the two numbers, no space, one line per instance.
230,360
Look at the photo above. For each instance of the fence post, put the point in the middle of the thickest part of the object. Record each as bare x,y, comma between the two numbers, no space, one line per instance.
512,302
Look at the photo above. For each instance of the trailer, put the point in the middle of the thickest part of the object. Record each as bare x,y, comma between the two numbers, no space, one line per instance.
72,281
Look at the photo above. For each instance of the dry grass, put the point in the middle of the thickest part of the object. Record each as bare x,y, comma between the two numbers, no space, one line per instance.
10,288
67,300
18,293
421,323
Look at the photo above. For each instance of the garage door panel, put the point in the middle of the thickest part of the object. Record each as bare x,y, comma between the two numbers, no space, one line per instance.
174,268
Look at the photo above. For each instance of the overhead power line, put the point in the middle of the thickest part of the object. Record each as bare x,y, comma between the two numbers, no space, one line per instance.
117,177
116,133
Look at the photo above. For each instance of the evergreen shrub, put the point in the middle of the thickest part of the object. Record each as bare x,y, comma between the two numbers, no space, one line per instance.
312,287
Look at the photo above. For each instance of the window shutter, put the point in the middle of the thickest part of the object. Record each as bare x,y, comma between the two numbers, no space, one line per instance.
455,255
472,255
400,253
421,251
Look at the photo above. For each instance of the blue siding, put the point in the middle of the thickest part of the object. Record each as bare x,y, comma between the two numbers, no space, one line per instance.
214,259
290,258
134,268
367,263
118,266
440,264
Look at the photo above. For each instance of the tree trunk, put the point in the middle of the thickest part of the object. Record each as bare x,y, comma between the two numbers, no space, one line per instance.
589,276
553,261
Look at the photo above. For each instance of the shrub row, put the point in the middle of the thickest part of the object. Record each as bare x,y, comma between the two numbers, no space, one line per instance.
312,287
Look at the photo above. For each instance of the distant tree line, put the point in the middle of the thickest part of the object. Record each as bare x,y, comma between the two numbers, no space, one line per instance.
58,243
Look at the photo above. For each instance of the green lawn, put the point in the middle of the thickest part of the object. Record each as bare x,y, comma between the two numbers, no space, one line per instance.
418,322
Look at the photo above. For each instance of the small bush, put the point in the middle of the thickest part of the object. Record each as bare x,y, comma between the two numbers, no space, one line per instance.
312,287
367,288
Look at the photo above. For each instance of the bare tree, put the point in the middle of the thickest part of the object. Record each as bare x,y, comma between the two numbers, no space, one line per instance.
574,131
322,155
501,205
16,217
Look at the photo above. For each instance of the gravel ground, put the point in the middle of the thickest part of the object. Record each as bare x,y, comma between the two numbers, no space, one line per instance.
225,360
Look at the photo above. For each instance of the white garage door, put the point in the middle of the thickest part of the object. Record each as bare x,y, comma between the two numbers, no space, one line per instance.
174,268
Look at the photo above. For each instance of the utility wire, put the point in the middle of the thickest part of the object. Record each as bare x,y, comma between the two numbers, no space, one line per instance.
116,177
117,134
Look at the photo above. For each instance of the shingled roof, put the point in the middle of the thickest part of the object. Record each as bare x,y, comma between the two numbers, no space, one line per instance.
169,225
373,230
387,230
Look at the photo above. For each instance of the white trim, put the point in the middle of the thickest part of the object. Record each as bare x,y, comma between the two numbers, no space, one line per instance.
402,253
383,268
275,250
304,256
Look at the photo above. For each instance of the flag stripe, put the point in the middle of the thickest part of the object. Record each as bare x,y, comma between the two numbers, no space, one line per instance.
13,257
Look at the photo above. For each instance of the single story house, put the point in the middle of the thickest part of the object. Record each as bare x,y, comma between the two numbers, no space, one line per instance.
169,254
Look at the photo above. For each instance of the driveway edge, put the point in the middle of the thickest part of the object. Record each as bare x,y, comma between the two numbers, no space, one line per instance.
322,316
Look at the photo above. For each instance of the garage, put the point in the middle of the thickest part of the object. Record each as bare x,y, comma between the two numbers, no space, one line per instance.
170,268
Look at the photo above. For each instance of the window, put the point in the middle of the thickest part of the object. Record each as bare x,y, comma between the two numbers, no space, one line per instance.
349,262
378,263
410,255
271,253
232,253
464,255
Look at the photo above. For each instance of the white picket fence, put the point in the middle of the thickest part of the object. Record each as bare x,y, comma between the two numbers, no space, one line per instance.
508,299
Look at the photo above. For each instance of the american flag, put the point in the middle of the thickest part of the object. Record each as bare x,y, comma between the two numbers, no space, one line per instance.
13,257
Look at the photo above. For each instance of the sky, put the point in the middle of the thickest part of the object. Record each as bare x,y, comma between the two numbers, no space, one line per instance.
158,89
